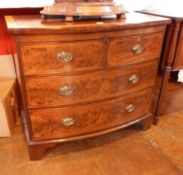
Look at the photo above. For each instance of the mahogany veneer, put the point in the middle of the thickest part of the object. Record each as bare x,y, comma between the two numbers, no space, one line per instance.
122,48
86,78
90,87
47,123
39,58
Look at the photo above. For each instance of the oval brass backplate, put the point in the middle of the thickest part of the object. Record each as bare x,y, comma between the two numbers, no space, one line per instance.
68,121
137,49
133,79
66,90
64,57
130,108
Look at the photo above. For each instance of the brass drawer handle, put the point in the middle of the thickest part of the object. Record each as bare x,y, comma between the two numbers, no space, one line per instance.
130,108
133,79
137,49
66,90
64,57
68,121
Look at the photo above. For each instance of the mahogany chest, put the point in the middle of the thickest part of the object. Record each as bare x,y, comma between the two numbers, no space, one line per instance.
85,78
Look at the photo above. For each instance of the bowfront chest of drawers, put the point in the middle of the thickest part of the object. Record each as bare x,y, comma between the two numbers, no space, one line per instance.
86,78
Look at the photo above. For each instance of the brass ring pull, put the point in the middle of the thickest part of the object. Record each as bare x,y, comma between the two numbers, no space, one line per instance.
66,90
137,49
133,79
68,121
130,108
64,57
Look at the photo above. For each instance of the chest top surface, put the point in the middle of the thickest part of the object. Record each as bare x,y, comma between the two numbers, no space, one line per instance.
35,25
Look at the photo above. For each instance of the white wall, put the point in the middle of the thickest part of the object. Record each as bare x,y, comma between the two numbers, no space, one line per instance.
7,66
24,3
134,5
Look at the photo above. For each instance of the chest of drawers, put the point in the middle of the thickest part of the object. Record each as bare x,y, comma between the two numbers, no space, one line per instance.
85,78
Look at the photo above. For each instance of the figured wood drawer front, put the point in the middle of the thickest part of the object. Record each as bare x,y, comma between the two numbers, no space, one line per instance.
178,59
62,57
134,49
72,121
57,91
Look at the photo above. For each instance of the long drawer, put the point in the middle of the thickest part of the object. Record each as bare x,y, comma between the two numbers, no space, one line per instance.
61,57
133,49
79,120
72,89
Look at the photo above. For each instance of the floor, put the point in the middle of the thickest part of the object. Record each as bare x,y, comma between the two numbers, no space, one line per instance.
158,151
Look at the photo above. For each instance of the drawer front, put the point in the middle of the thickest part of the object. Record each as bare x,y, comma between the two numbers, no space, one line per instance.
61,57
134,49
57,91
178,58
80,120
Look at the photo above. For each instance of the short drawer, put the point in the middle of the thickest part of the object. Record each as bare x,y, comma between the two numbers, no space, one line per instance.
80,120
61,57
72,89
128,50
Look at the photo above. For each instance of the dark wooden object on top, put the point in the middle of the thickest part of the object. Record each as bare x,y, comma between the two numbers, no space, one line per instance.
70,10
85,78
172,56
63,1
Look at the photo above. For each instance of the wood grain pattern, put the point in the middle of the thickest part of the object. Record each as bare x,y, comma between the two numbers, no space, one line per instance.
178,59
54,37
121,49
44,92
34,25
101,94
47,124
41,58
